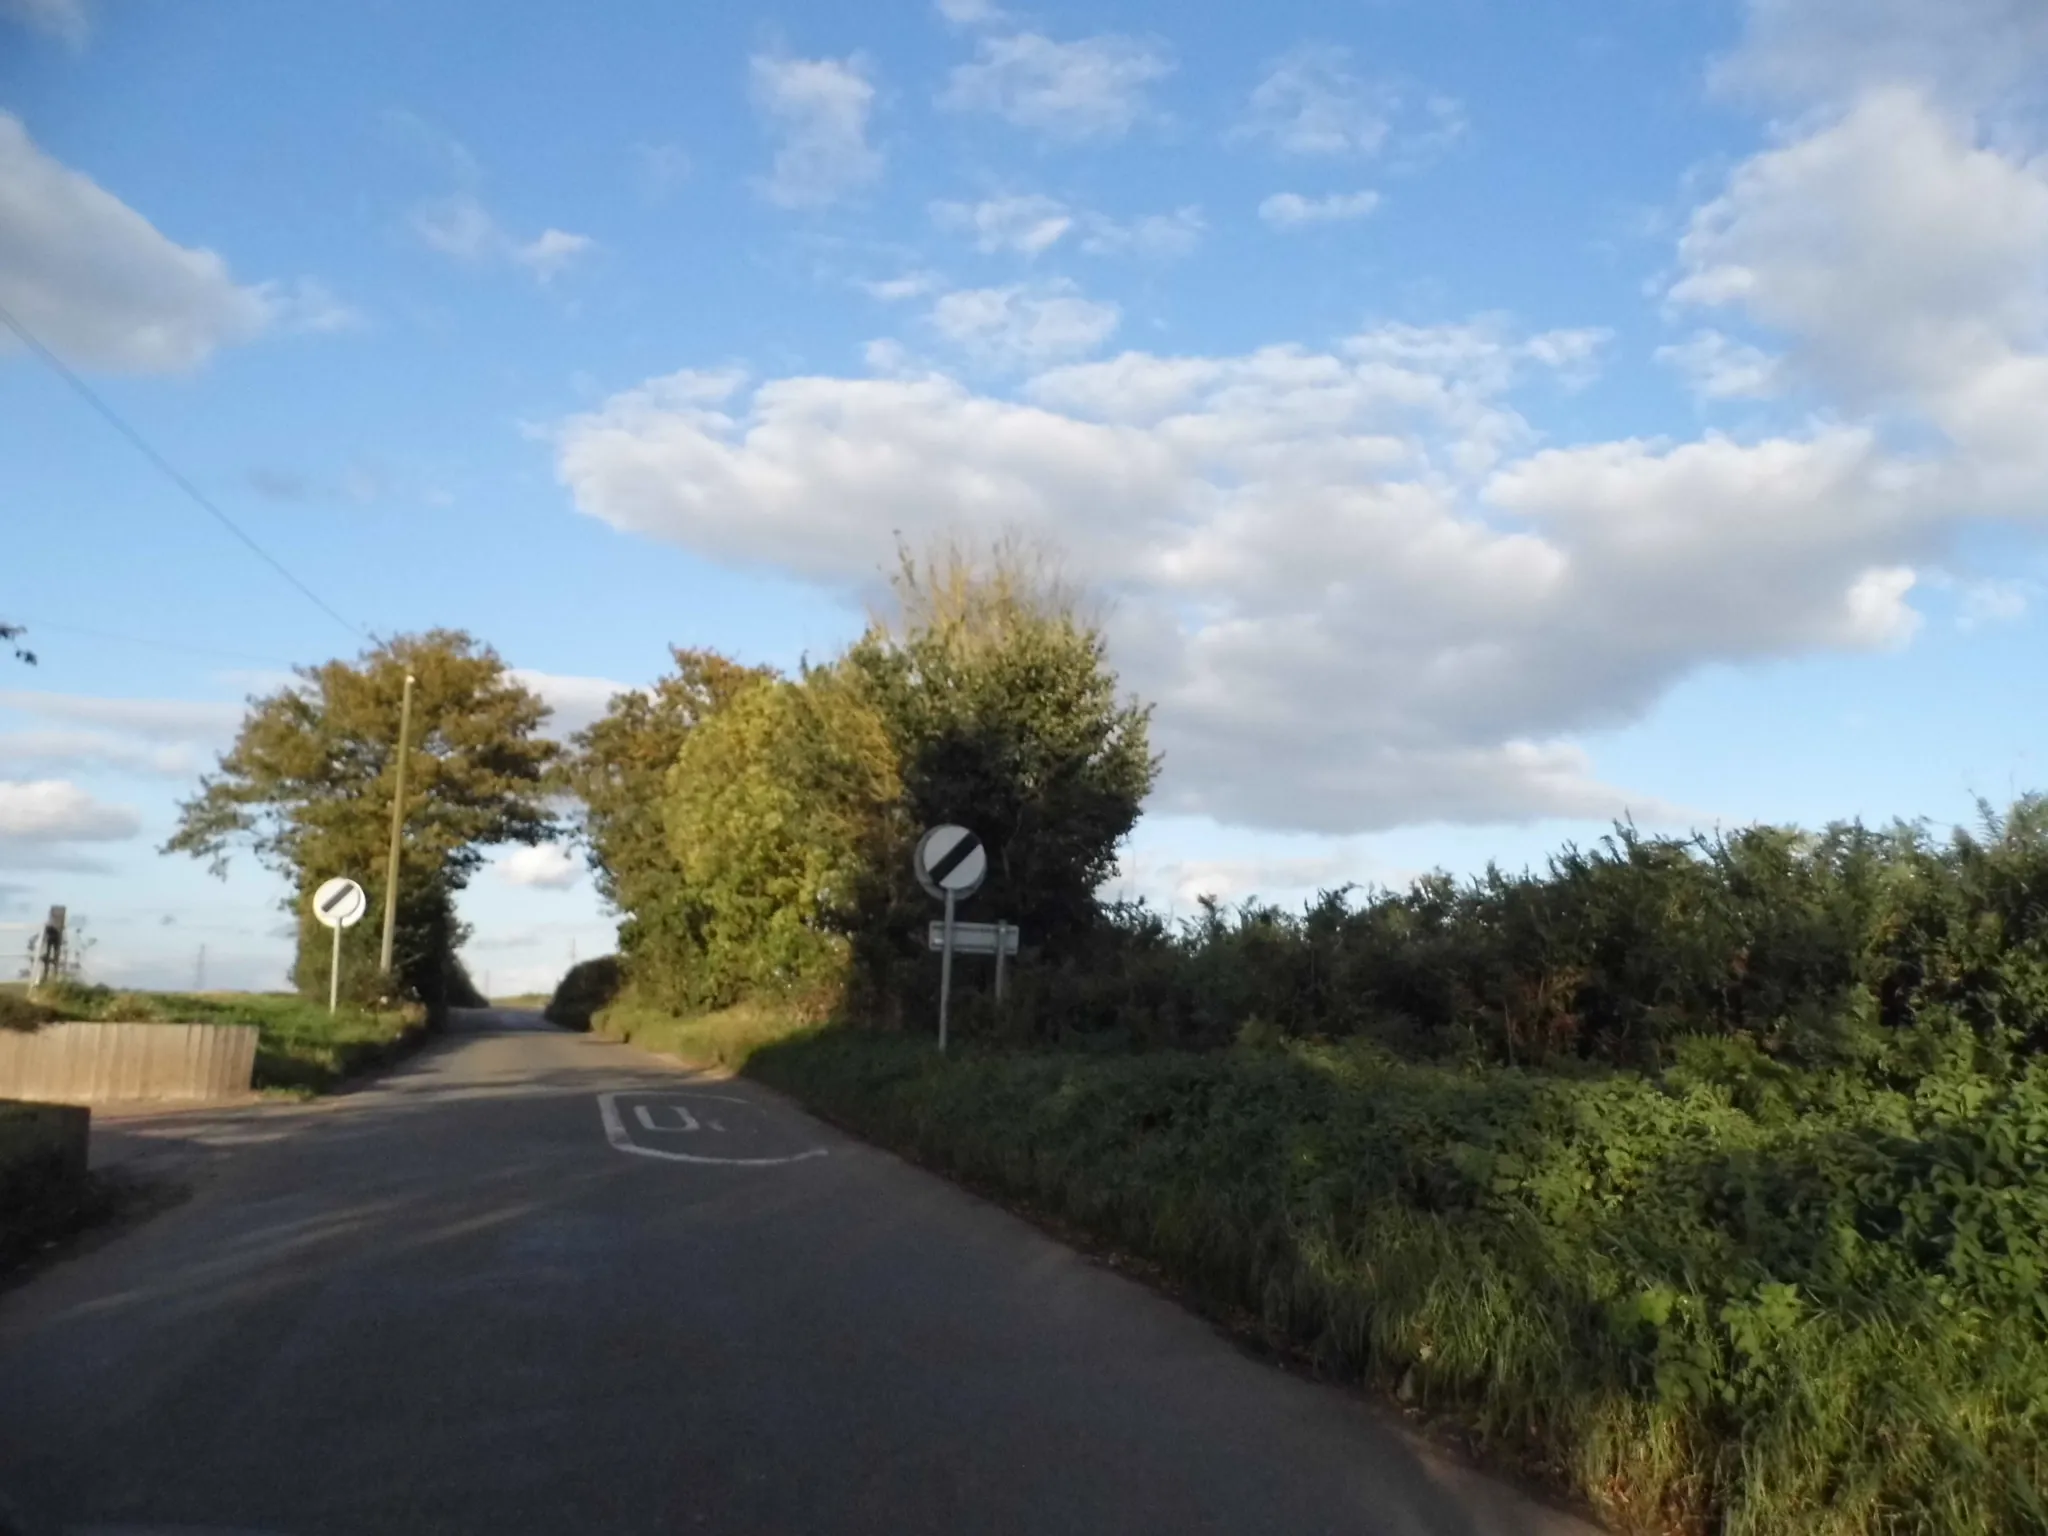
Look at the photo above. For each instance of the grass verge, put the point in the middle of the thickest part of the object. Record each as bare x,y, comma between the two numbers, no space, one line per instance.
301,1049
1692,1307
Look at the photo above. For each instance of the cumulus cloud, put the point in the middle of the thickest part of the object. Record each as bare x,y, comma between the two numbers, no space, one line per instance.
1719,367
1027,224
99,283
165,720
40,820
1023,326
574,702
1310,102
1091,88
1290,210
819,108
1030,224
459,226
27,753
1903,262
1966,53
1360,590
1153,236
546,866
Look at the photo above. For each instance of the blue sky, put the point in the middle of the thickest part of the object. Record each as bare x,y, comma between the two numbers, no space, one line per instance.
1480,420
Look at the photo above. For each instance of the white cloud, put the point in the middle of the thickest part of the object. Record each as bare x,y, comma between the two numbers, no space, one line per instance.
1027,224
1091,88
57,811
461,227
1156,236
546,866
458,226
23,753
907,285
171,720
99,284
1290,210
1311,103
1904,264
1721,368
1021,326
820,109
1967,53
63,19
1360,591
553,249
576,702
1030,224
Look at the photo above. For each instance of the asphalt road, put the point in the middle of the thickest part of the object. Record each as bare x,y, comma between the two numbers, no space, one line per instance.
534,1282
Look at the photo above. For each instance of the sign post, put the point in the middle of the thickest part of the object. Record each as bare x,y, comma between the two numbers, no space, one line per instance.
950,862
339,903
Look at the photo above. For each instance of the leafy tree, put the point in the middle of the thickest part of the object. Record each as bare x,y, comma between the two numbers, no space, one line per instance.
10,636
307,787
618,768
774,811
997,692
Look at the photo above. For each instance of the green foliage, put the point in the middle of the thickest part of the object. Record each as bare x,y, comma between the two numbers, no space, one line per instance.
618,769
308,788
788,808
1887,951
1695,1316
585,988
772,810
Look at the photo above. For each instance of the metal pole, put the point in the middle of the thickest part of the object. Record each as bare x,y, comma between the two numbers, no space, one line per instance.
946,972
397,826
334,972
1002,949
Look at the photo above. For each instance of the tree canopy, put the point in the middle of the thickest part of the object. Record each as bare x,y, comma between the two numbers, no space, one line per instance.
308,785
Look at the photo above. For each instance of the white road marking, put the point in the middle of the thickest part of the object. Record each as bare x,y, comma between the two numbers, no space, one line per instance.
646,1118
616,1133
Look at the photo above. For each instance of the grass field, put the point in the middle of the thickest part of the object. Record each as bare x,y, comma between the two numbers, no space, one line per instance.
301,1048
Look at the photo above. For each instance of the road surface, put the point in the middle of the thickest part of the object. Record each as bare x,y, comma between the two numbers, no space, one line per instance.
533,1282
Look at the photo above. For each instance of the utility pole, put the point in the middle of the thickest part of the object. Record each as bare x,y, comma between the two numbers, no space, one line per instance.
397,827
199,977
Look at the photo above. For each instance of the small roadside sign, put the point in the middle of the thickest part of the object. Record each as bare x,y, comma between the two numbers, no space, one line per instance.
951,863
975,938
339,903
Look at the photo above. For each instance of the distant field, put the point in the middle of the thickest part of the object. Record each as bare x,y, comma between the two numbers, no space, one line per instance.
300,1046
521,1000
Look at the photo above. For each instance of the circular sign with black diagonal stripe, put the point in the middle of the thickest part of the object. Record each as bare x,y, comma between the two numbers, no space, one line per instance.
339,902
950,862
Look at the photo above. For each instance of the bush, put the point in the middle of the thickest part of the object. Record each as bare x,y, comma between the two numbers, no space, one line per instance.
588,986
1818,1314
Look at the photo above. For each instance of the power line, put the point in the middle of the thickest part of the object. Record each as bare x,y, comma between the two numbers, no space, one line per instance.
141,444
35,626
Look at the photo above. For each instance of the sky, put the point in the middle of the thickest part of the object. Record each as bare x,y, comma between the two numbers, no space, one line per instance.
1478,421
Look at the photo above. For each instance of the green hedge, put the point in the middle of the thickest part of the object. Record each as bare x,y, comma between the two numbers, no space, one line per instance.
1720,1297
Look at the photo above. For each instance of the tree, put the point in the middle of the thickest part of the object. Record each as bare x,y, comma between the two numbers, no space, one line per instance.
774,811
10,636
618,768
997,693
307,787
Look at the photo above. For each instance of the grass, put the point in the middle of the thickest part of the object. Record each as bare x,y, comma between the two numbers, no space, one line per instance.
725,1039
1694,1307
300,1050
522,1000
